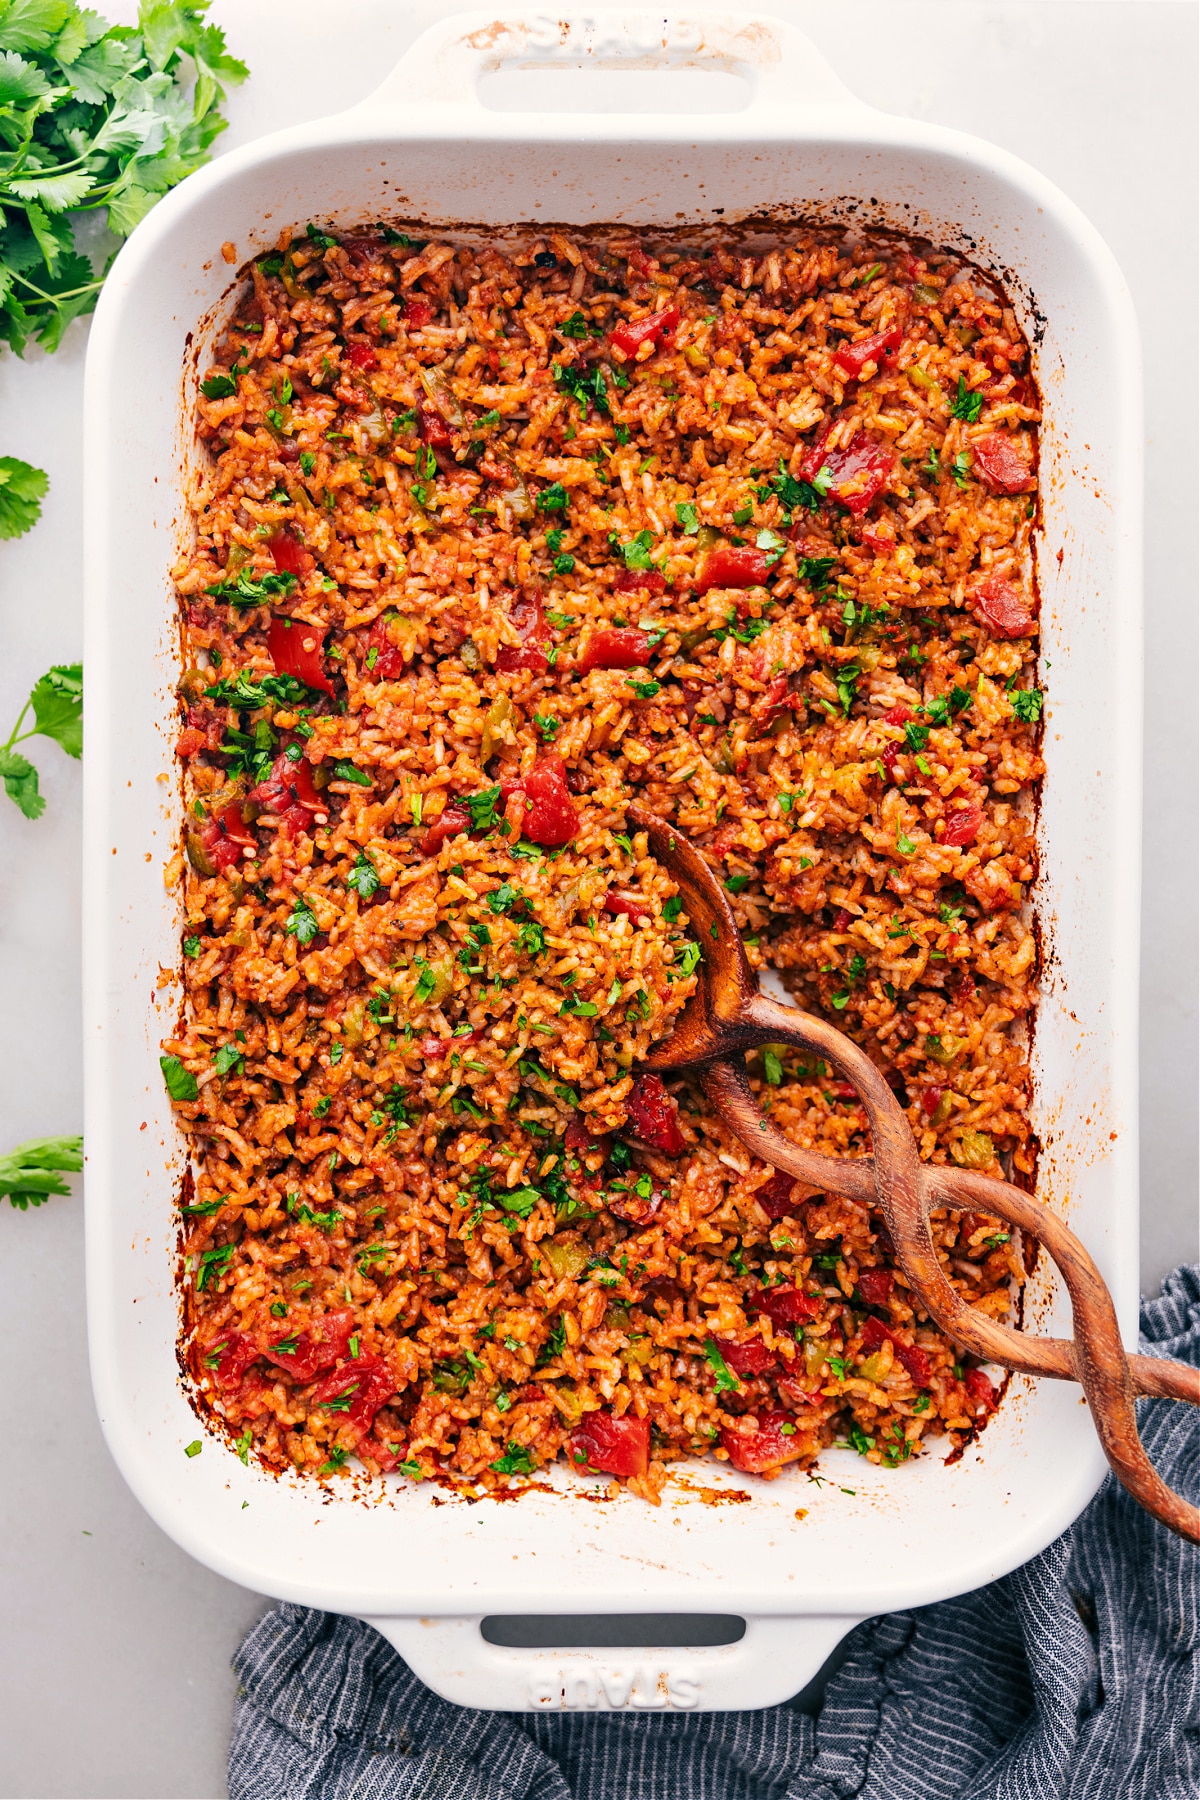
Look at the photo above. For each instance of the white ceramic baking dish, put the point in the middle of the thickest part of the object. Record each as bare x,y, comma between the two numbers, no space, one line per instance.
801,1561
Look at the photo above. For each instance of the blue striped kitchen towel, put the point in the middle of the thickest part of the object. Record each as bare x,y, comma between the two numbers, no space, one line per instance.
1074,1678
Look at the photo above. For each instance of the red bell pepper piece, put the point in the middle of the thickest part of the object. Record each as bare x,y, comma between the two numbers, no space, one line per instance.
962,827
981,1390
653,1117
306,1353
356,1391
362,357
604,1444
436,1047
1001,464
851,358
432,429
755,1452
909,1356
775,1197
613,648
786,1305
730,567
548,815
1002,608
456,818
747,1359
226,836
899,715
930,1099
629,336
296,649
417,312
632,909
290,556
875,1285
640,581
533,632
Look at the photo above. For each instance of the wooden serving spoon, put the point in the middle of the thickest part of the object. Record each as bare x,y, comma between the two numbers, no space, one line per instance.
728,1015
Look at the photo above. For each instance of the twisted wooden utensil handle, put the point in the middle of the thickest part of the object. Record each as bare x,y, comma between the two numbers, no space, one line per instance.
728,1015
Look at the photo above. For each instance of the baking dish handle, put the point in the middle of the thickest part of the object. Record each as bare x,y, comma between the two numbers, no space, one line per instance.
772,1663
445,65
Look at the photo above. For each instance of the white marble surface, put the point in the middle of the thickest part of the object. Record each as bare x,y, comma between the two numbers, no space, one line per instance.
114,1675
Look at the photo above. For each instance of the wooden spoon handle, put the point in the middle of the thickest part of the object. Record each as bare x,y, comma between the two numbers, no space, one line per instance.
728,1089
905,1191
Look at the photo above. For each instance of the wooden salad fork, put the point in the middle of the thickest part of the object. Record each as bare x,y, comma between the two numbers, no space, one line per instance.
728,1015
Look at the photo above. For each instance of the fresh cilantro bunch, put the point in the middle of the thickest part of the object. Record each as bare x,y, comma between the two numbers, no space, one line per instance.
57,702
30,1173
93,117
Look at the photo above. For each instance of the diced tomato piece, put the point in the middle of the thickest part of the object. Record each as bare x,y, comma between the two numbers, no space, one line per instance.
190,742
362,356
842,919
615,648
388,1456
653,1116
362,1386
288,792
417,311
729,566
786,1305
533,1390
629,336
851,358
754,1452
1001,464
548,816
432,429
981,1390
843,1090
234,1352
963,827
226,836
777,701
456,818
632,909
534,633
899,715
860,470
775,1197
314,1350
610,1446
747,1359
387,664
875,1285
290,556
511,657
879,541
914,1360
930,1100
577,1136
889,759
296,649
640,581
1002,607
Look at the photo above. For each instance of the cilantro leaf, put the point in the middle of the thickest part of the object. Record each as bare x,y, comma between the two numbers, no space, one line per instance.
22,487
96,118
181,1083
30,1173
57,703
